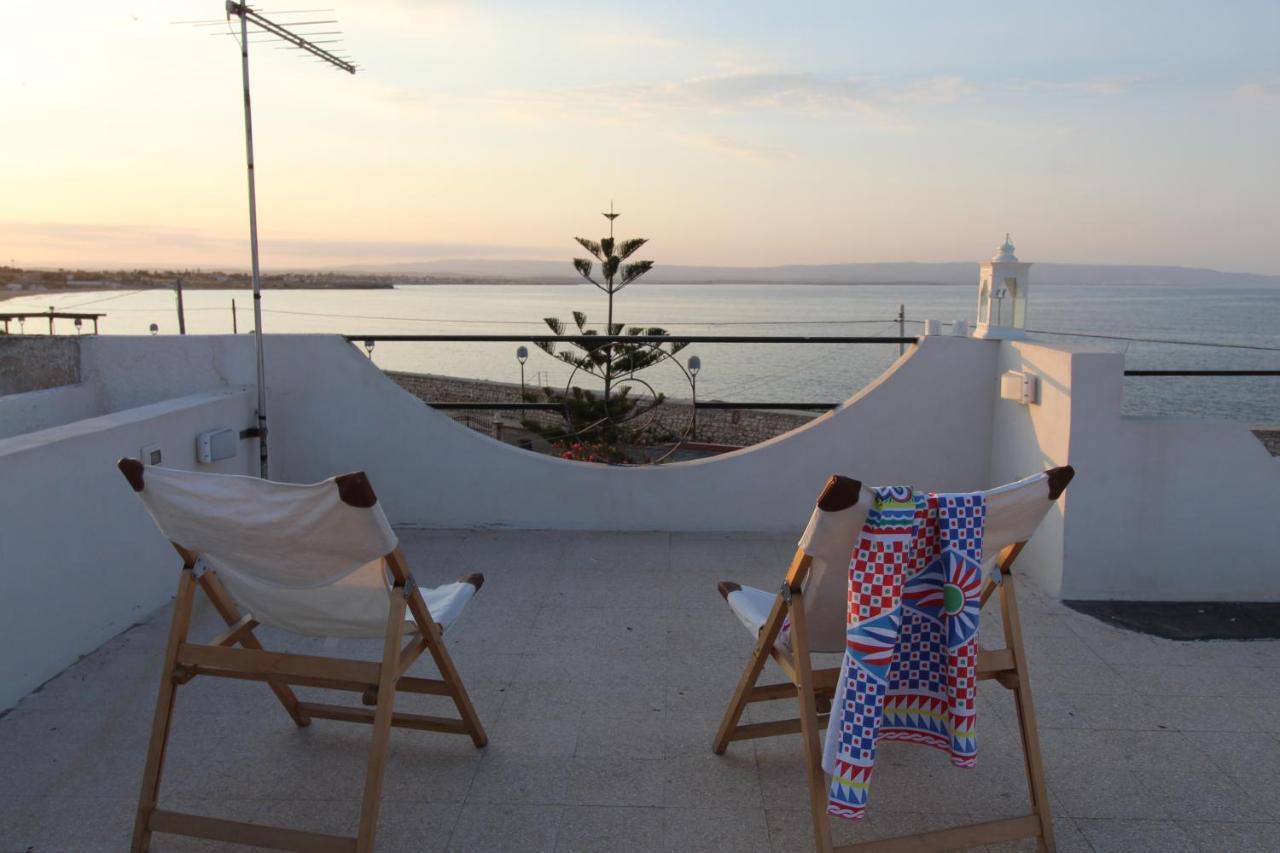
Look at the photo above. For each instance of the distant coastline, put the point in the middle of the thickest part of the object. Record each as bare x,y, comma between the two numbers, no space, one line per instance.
18,282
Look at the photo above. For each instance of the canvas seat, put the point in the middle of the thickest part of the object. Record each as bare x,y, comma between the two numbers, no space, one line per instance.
319,560
809,615
354,606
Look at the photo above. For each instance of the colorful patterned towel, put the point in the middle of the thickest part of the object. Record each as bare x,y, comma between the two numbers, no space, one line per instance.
911,656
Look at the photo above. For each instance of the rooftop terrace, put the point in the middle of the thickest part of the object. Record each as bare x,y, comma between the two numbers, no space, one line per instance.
600,664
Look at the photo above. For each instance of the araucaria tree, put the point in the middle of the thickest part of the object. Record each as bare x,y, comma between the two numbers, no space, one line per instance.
606,420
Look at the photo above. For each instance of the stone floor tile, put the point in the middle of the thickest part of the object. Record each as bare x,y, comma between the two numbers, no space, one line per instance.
1205,714
725,830
1220,837
1067,838
520,780
1116,711
791,830
611,781
1206,795
1137,836
506,828
622,737
1239,753
730,781
1104,792
610,829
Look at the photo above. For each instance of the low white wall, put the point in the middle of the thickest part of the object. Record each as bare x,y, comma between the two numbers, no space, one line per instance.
50,407
1161,508
926,421
80,560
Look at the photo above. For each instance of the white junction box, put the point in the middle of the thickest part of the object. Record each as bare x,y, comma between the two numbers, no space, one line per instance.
215,445
1022,388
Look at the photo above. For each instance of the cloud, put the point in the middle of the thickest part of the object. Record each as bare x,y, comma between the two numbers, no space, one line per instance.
737,148
34,243
1099,86
795,90
1267,91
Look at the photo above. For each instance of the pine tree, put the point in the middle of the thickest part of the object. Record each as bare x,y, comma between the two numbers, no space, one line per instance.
604,419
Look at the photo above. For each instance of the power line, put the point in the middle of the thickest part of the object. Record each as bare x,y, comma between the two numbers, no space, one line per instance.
103,299
1157,340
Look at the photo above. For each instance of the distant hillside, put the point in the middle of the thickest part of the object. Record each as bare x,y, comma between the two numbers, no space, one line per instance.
958,273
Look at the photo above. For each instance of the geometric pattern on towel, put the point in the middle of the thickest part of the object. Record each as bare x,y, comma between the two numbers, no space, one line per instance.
910,663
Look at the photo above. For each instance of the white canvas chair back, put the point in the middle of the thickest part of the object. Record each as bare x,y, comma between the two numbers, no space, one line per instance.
319,560
305,558
1014,511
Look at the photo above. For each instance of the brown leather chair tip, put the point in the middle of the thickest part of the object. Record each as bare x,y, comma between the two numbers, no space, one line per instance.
1058,479
476,580
132,470
355,490
840,493
727,587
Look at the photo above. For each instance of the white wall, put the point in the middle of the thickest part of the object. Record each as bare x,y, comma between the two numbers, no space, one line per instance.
926,421
49,407
1161,508
80,560
1173,509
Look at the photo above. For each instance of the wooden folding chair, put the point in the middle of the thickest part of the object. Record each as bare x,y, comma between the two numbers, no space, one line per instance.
319,560
814,597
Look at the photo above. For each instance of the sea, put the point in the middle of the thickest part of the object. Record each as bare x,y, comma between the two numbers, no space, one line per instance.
1164,328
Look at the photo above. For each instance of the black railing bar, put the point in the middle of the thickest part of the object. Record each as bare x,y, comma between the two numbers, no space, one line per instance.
632,339
556,407
535,407
1202,373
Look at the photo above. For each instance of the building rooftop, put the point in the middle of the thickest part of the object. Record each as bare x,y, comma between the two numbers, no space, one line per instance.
600,664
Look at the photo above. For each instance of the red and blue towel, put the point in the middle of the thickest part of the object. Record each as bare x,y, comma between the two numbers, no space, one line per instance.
911,654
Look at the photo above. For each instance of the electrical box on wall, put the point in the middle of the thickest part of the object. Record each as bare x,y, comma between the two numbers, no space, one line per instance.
216,445
1022,388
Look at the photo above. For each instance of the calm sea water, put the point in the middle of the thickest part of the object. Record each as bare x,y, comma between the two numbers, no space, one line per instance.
754,372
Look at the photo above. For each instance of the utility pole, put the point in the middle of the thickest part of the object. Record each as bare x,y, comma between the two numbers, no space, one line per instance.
234,329
182,317
902,327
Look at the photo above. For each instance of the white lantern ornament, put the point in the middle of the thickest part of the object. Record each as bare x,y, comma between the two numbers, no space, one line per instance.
1002,295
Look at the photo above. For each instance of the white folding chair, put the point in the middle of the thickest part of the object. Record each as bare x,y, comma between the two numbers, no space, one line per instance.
814,597
319,560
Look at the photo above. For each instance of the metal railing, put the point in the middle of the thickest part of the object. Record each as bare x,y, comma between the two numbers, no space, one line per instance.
597,340
900,341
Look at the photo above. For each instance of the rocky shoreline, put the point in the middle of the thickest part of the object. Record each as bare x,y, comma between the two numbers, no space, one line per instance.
731,428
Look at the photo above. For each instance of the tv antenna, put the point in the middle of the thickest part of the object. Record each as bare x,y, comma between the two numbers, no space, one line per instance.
256,24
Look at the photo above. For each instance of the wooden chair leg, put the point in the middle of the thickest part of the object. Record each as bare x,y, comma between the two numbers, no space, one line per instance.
1026,715
178,629
750,675
435,644
227,609
382,714
809,726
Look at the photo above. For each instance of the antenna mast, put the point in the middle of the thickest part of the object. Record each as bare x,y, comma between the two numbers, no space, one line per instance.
248,16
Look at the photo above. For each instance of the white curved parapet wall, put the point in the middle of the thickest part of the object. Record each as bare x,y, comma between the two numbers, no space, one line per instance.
926,421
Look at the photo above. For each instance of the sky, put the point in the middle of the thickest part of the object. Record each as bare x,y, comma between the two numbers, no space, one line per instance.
729,133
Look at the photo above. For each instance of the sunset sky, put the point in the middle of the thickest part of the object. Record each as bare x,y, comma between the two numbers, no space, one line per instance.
730,133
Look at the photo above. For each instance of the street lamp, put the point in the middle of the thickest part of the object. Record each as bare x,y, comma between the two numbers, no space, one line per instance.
695,364
368,348
155,330
522,355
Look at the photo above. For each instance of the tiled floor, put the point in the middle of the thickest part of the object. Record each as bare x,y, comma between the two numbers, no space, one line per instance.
600,664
